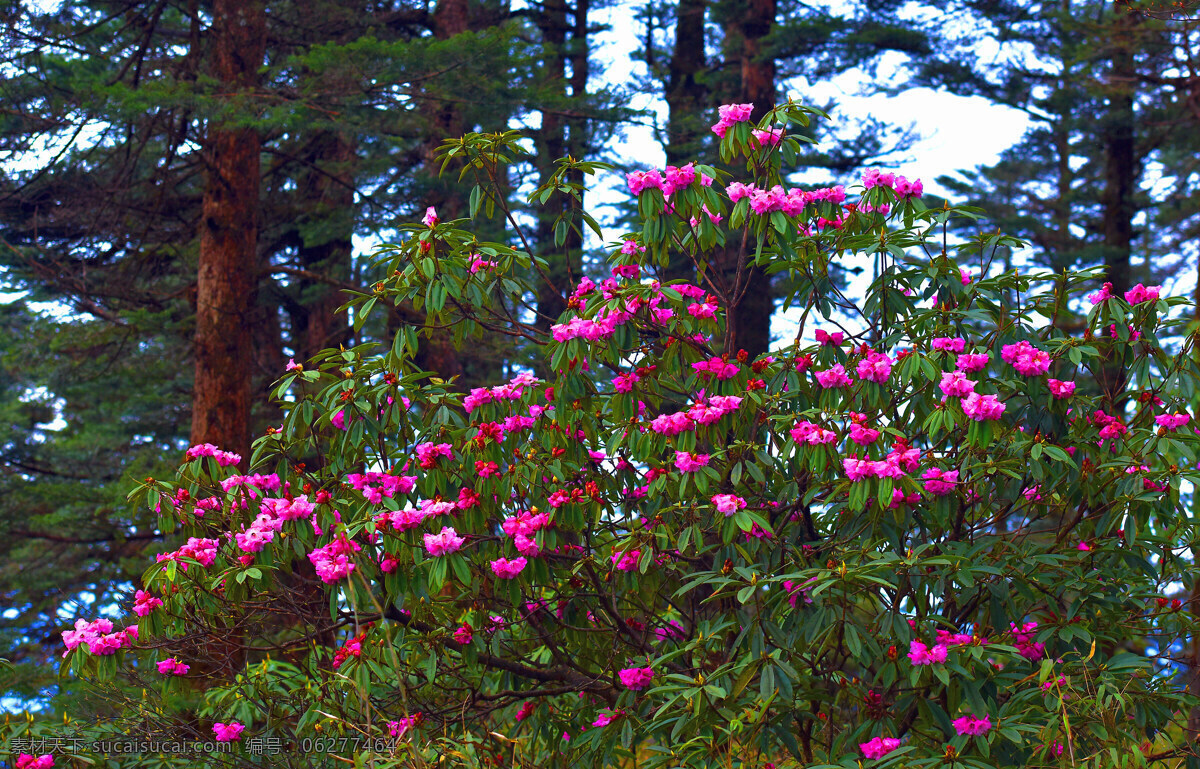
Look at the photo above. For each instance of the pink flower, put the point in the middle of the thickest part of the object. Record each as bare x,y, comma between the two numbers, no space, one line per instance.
1140,293
446,541
604,719
876,367
1026,359
1060,389
463,634
728,503
972,726
144,603
431,218
506,569
400,728
950,344
729,115
1172,422
834,377
690,463
863,435
972,362
339,420
172,667
639,181
429,453
767,138
956,385
527,708
231,732
920,654
1102,294
982,407
1083,547
878,747
825,338
939,482
26,761
636,679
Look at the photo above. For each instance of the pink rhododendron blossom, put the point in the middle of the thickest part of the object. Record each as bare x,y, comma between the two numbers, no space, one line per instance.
338,420
813,435
527,708
636,679
876,367
627,561
972,726
1171,422
767,138
172,667
940,482
719,367
1140,293
446,541
224,458
604,719
863,436
1060,389
27,761
144,603
230,732
982,407
873,177
399,728
728,503
1023,641
428,454
878,747
506,569
920,654
333,561
730,114
689,463
950,344
463,634
1102,294
969,363
834,377
835,339
956,385
639,181
1026,359
431,218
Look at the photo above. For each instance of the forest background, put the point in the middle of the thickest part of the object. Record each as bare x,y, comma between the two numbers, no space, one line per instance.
186,189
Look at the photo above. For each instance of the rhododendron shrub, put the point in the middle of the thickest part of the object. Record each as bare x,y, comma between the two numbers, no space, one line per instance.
864,546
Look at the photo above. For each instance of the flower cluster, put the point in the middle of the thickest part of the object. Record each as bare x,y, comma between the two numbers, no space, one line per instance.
224,458
731,114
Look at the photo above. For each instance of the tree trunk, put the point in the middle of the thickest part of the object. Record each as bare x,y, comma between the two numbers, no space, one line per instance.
228,270
686,102
752,304
1120,178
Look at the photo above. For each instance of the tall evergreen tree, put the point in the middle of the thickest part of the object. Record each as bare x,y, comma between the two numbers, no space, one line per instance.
131,139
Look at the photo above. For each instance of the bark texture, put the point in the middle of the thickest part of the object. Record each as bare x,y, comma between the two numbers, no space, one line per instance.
228,269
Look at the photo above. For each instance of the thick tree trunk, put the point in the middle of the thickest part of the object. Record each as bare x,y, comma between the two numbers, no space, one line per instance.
1120,179
686,103
686,98
552,144
753,304
228,271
